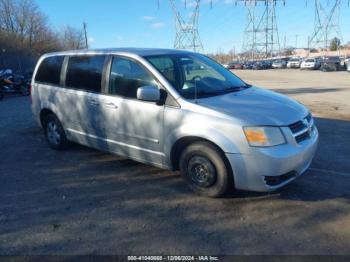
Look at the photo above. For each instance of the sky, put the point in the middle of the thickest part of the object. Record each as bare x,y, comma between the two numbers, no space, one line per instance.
142,23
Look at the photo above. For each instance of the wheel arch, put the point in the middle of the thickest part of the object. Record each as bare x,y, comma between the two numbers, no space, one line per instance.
182,143
44,113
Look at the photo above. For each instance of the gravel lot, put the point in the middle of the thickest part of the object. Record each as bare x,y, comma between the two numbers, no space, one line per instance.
326,94
82,201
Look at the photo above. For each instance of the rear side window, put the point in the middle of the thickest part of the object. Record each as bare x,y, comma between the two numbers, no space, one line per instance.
85,72
49,71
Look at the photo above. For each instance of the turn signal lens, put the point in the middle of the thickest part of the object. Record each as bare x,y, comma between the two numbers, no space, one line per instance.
256,136
264,136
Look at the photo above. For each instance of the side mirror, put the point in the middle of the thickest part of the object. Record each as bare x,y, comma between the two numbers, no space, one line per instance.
148,93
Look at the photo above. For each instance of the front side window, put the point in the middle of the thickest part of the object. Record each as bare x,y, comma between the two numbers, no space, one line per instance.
194,75
127,76
85,72
49,71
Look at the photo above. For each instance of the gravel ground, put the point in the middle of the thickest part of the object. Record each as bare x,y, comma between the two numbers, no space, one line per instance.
82,201
327,94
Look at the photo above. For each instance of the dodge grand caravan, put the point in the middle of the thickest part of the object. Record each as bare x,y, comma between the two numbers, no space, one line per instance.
176,110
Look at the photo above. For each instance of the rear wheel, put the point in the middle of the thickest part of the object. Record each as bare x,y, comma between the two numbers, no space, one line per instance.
54,132
203,168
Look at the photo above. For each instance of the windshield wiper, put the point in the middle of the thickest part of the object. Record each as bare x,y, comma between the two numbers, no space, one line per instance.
223,91
235,89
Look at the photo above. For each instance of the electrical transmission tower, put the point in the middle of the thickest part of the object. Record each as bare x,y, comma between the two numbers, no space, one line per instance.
261,36
187,36
326,24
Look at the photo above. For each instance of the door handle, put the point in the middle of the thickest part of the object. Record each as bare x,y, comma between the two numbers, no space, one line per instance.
111,105
93,102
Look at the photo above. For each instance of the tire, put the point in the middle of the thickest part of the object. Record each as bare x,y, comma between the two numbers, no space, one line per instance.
1,95
203,167
54,133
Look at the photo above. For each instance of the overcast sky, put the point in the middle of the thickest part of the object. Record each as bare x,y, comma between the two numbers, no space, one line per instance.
140,23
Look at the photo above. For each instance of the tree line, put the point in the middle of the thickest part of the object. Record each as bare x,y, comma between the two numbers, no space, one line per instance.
26,34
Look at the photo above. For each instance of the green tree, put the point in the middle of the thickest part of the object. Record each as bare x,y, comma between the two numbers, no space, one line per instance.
335,44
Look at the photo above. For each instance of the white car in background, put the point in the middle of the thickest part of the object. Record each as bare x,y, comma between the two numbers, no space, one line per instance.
225,65
347,64
294,63
310,63
279,64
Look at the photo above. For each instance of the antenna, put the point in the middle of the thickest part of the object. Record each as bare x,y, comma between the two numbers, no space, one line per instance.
85,34
261,37
187,35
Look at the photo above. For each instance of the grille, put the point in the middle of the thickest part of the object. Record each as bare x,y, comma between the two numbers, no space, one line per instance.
302,129
302,137
277,180
297,127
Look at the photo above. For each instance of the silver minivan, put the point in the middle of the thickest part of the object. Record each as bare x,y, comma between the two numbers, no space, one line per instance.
176,110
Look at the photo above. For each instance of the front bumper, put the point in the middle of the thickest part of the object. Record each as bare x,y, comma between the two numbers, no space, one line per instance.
308,67
254,171
293,66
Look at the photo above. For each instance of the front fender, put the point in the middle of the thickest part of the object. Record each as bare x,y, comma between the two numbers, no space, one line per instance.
225,143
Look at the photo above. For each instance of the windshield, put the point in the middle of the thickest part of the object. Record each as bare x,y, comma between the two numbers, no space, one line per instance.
196,76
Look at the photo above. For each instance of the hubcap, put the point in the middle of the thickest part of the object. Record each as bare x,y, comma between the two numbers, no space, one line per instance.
202,171
53,134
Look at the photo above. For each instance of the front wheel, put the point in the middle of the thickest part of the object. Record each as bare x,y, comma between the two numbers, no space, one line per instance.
54,133
203,168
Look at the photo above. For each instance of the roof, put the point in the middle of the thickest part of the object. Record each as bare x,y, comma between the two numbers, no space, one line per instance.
131,50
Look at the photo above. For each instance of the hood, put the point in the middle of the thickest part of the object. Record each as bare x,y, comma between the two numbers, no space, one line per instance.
255,106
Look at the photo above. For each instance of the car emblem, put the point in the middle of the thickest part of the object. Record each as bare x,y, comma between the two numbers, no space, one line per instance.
308,125
305,122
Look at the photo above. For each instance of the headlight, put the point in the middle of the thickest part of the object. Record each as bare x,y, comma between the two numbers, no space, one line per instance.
264,136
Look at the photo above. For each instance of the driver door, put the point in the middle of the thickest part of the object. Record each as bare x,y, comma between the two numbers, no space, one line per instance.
136,129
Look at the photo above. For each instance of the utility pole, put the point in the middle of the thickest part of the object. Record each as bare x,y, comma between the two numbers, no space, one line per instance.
261,36
85,34
187,33
296,41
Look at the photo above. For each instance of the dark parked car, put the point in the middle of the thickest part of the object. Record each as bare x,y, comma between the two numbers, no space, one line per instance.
268,64
259,65
330,64
248,65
